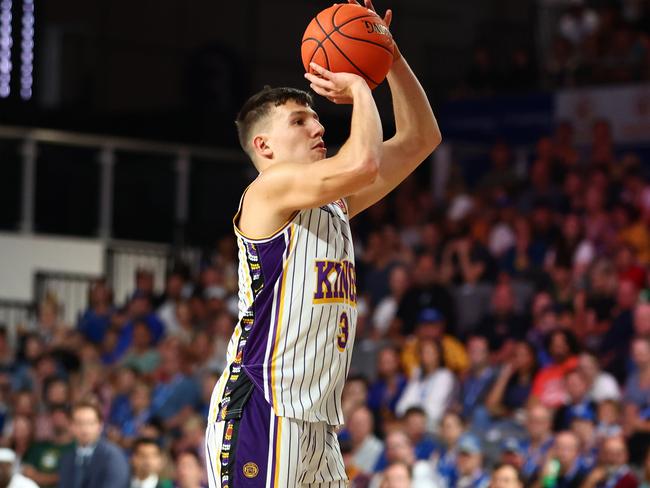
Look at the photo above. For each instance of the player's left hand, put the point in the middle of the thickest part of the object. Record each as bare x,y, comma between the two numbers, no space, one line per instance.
388,18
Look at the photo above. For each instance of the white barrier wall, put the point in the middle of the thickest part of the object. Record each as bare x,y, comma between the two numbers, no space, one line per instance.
22,256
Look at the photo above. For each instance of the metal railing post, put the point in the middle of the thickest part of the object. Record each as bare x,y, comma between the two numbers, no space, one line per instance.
29,152
107,162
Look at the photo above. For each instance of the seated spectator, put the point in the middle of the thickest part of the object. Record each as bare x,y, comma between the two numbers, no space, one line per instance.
126,427
7,476
539,440
609,418
95,461
431,387
471,472
189,471
506,476
548,385
577,389
400,450
431,326
613,469
96,320
176,394
583,425
452,428
140,309
147,464
366,448
514,381
386,310
397,475
636,400
385,392
603,386
415,427
42,460
563,469
425,292
477,383
502,326
172,297
141,356
513,453
355,395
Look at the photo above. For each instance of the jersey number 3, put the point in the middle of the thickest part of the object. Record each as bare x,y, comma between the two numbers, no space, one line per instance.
344,330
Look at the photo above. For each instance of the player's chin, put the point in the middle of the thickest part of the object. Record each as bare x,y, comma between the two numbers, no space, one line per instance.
319,153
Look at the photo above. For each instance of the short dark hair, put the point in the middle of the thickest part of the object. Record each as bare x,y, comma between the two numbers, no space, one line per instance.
145,441
259,106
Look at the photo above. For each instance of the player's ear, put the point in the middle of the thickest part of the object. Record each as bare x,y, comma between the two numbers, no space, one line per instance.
261,147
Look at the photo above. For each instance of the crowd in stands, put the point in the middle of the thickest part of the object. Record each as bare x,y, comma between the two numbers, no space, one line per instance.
592,42
503,339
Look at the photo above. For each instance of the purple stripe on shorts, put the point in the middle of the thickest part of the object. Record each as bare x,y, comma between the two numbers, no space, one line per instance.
252,451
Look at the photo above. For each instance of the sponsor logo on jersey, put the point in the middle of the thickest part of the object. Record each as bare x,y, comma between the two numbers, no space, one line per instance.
336,282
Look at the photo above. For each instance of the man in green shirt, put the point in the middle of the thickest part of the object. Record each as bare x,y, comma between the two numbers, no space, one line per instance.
41,461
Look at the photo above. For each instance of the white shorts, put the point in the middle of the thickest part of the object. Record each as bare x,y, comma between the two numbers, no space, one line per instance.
256,449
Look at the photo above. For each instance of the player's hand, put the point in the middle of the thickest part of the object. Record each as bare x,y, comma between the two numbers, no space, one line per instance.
388,18
336,87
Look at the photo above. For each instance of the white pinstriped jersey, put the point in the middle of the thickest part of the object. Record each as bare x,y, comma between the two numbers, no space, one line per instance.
297,316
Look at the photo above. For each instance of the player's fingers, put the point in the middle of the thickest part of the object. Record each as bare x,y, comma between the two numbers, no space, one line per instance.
320,70
354,2
322,82
368,4
388,18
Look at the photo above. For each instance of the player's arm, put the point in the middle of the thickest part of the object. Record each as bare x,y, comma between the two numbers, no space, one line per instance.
417,134
288,187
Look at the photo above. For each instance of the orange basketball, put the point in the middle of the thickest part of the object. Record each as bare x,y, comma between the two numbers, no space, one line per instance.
349,38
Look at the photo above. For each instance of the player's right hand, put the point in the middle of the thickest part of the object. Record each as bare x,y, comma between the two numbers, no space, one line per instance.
336,87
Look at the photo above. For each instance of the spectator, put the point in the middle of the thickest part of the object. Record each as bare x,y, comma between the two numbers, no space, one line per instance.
397,475
578,22
445,459
431,387
431,326
366,448
548,385
603,386
400,450
96,320
477,383
386,391
577,388
539,440
513,383
8,478
506,476
470,463
42,461
125,428
564,470
147,463
583,425
141,356
513,453
502,326
425,292
415,427
613,471
95,462
189,471
386,309
637,400
172,298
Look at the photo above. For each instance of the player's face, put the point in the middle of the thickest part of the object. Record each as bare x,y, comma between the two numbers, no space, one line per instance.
296,135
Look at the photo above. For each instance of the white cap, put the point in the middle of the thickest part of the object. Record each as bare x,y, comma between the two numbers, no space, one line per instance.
7,455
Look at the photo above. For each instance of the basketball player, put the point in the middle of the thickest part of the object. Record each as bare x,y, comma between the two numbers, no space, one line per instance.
275,408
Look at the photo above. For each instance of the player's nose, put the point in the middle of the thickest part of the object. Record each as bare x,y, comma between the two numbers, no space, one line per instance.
318,129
